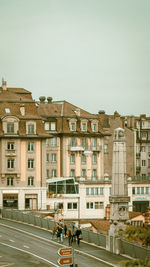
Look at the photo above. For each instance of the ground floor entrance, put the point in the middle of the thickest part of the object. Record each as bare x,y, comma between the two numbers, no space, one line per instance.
31,201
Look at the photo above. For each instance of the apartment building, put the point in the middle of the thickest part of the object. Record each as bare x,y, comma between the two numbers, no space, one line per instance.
76,151
22,151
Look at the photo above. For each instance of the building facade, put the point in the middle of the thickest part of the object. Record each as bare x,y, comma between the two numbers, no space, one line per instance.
22,151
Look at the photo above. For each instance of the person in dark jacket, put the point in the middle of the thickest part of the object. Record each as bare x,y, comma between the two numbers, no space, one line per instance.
78,235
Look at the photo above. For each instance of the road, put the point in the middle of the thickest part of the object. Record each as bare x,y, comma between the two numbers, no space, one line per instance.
25,245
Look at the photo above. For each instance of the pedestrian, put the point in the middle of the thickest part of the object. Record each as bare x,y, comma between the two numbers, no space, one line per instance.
58,232
73,234
69,234
65,229
53,233
78,235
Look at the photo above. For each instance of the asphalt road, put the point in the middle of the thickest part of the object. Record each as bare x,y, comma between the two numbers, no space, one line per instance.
31,246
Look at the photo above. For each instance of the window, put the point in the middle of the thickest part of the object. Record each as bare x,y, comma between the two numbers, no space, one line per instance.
144,136
94,173
94,158
83,126
148,123
142,190
83,159
30,181
47,173
94,127
53,173
10,163
30,128
143,163
46,126
146,190
53,126
138,190
92,191
106,148
72,141
83,173
101,191
87,191
10,181
96,191
94,142
72,126
148,148
72,172
47,157
72,206
148,163
10,145
53,157
84,143
133,190
143,149
10,128
30,146
54,141
72,158
99,205
30,163
47,142
89,205
7,110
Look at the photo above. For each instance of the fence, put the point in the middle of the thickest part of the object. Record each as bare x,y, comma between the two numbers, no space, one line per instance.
88,236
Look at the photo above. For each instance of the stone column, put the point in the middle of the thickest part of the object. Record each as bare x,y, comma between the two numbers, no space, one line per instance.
119,199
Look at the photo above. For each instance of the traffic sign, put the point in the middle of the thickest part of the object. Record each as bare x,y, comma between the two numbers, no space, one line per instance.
65,251
65,261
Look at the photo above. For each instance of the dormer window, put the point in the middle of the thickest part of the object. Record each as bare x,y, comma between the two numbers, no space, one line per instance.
53,126
10,127
7,110
50,126
30,128
84,126
94,126
72,125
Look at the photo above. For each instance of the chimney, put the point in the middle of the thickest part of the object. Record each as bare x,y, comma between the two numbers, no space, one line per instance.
101,112
42,99
49,100
4,84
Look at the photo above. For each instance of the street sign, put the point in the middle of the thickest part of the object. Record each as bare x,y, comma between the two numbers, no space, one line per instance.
65,261
65,251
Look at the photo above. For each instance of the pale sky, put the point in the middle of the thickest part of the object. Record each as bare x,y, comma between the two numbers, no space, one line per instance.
92,53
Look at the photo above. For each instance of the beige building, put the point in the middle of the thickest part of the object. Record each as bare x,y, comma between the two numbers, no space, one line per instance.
22,151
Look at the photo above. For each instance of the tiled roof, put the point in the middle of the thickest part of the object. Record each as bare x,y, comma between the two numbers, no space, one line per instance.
14,95
64,111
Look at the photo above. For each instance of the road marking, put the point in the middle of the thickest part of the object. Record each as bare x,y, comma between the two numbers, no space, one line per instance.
26,246
58,244
11,240
22,250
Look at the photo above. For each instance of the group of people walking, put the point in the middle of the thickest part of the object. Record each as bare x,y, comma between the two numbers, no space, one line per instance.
73,234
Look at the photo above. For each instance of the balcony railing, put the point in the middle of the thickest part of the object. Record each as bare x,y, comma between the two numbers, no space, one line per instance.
85,148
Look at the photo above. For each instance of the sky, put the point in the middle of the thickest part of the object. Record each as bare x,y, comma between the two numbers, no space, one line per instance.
94,54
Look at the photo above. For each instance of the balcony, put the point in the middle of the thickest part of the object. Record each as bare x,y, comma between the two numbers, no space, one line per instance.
75,148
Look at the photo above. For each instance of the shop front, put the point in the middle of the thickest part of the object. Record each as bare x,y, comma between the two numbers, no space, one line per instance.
10,201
